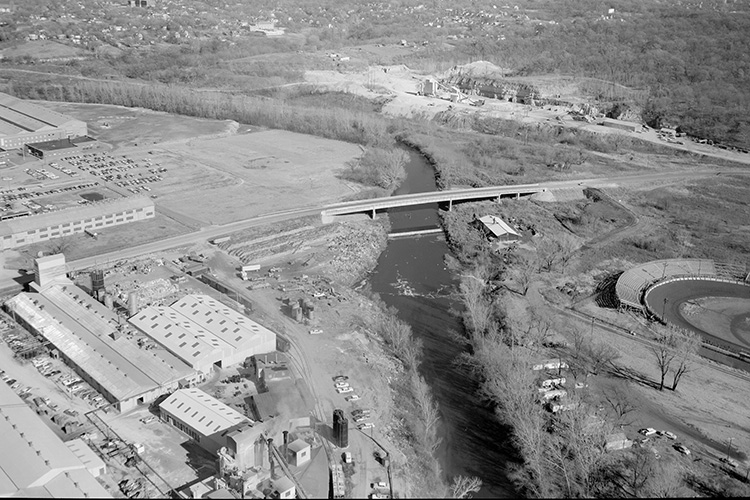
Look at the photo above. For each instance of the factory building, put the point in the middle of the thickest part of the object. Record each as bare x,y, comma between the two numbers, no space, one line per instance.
34,462
23,122
48,150
92,217
205,419
88,337
204,332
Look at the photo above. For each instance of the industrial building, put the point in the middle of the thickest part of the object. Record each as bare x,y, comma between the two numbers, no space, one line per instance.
205,419
92,217
203,332
23,122
34,462
47,150
88,337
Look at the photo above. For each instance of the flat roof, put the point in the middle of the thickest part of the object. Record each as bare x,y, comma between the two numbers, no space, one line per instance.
298,445
54,145
78,213
198,328
38,469
80,328
497,225
30,117
201,412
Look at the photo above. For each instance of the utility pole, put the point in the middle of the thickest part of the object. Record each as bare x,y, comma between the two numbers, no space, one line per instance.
664,310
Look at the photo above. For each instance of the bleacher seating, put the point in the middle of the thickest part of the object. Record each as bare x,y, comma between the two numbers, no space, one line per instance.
633,282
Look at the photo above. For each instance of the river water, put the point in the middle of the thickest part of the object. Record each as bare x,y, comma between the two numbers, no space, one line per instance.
411,276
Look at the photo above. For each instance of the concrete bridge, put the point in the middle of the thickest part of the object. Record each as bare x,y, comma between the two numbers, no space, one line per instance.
449,196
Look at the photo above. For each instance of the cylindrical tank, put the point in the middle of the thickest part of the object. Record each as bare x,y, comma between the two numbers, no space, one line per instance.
97,281
108,301
133,303
340,429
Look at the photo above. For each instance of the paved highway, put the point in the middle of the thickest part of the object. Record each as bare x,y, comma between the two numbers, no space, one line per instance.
205,233
492,191
216,231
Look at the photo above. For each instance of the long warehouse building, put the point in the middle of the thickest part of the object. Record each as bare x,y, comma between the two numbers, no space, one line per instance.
87,337
34,462
23,122
92,217
203,332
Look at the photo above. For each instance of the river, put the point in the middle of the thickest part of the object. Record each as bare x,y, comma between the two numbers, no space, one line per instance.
411,276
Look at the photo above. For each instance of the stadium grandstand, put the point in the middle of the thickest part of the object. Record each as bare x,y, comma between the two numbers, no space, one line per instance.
633,283
23,122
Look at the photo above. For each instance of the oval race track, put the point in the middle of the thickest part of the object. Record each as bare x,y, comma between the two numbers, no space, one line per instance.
728,332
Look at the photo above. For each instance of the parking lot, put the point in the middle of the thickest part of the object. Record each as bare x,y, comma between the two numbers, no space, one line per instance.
122,170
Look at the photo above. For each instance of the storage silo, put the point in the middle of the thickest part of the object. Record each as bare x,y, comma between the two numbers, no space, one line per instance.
340,429
133,303
97,282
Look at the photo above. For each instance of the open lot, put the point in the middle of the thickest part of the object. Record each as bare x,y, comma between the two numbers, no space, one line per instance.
123,127
232,178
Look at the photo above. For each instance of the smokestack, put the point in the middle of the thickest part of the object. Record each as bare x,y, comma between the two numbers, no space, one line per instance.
286,442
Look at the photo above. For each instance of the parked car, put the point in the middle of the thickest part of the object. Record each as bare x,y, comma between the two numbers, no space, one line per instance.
340,378
316,331
647,431
10,381
341,384
353,397
366,425
670,435
730,462
381,484
344,390
682,449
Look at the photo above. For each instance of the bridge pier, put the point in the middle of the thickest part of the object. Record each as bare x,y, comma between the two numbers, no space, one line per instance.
373,214
518,195
450,205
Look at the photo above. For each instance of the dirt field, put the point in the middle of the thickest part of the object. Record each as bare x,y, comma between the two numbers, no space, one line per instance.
232,178
401,84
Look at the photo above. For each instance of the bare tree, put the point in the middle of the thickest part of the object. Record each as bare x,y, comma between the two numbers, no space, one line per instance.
464,486
674,351
525,269
686,350
663,355
620,404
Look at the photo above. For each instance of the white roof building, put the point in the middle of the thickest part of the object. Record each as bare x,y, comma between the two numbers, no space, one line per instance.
498,228
34,462
202,417
202,332
85,332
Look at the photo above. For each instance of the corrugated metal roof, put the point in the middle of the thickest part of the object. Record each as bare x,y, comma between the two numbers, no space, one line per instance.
497,225
201,412
197,328
80,327
41,464
88,211
186,339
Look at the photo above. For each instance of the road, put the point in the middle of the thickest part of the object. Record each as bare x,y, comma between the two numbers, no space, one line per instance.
210,232
205,233
523,189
